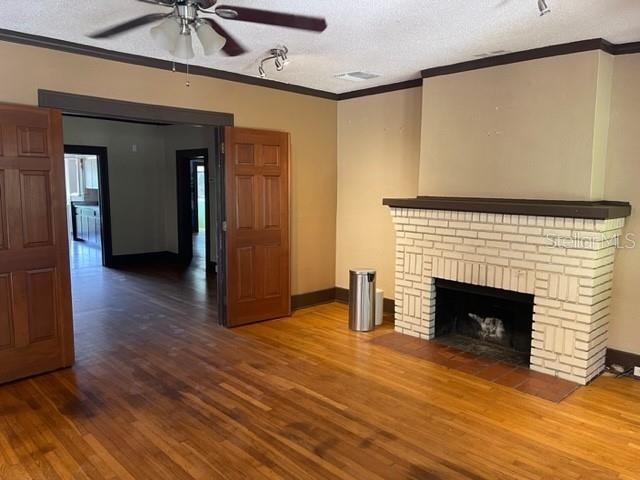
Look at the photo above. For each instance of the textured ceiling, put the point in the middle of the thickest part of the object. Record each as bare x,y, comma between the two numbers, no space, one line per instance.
395,39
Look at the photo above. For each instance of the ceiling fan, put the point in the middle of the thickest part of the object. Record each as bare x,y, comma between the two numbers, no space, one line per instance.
173,33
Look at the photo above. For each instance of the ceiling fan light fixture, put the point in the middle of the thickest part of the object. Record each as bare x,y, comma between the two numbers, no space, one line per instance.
184,48
189,14
211,41
543,7
166,34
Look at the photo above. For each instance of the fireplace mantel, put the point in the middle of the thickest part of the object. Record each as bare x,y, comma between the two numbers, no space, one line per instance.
596,210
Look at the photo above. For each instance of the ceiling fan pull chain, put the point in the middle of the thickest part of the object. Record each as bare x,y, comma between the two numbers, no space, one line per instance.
187,83
173,65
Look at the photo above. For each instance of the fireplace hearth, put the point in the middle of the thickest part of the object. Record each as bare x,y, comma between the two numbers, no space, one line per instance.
489,322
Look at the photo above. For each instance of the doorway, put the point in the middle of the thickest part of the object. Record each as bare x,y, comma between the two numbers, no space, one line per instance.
193,209
105,108
251,244
87,205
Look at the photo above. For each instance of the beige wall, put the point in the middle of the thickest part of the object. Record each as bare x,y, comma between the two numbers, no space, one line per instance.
378,156
310,120
523,130
601,124
623,183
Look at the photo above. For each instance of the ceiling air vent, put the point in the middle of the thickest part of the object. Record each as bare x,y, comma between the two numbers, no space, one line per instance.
357,76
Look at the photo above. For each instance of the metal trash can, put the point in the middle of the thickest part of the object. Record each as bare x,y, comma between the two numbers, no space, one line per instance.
362,299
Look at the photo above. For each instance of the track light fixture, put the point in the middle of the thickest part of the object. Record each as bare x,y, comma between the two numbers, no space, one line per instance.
283,55
279,57
543,7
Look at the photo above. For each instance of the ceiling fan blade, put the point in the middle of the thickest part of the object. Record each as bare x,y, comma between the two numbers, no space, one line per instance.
290,20
232,48
128,25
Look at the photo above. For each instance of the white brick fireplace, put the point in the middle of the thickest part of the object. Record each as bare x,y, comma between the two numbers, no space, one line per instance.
566,263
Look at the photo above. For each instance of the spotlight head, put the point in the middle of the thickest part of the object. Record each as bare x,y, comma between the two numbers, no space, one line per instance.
261,72
279,65
543,7
283,55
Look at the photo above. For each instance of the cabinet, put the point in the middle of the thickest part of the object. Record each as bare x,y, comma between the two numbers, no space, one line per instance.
90,172
86,223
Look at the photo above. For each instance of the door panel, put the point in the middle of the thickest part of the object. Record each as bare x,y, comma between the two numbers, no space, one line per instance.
244,204
35,295
41,299
271,155
36,208
32,142
3,212
244,154
271,202
246,280
272,283
6,313
257,237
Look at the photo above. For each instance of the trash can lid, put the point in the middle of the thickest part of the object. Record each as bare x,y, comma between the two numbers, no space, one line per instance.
362,271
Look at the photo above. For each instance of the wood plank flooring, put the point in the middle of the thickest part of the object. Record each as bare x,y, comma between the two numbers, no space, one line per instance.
161,392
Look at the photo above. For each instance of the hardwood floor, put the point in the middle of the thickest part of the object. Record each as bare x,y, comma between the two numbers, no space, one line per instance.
160,391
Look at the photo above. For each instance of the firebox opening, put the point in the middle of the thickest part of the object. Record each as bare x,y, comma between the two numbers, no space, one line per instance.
486,321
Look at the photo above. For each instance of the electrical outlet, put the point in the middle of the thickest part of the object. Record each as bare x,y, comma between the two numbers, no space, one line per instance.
636,371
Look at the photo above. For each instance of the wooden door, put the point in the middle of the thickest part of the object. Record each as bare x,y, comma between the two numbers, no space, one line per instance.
35,296
257,216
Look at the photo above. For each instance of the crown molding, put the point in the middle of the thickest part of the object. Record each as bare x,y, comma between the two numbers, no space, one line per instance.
390,87
534,54
514,57
79,49
626,48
